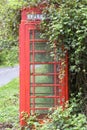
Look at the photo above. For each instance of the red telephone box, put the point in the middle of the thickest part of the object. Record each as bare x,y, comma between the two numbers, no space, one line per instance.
40,85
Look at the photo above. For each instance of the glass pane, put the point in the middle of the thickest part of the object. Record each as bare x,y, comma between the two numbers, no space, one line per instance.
37,34
42,105
44,68
31,34
41,57
40,112
31,58
31,46
38,46
42,91
43,79
31,79
43,100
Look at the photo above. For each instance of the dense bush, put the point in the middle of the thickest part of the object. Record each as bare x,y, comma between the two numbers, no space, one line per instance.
65,120
66,29
69,117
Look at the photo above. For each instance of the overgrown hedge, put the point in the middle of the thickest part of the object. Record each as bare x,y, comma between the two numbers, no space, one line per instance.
69,117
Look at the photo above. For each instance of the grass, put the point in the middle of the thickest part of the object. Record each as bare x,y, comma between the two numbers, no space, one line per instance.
2,66
8,65
9,111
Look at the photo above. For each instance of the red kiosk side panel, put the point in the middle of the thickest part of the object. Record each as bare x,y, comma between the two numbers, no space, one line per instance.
24,71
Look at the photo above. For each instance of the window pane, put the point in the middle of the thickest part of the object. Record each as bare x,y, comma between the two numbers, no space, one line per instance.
40,112
40,101
43,79
37,34
43,57
31,46
31,34
44,68
38,46
42,91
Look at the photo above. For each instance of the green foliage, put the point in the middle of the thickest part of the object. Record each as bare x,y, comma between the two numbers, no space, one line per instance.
67,26
66,29
68,118
9,30
9,111
31,121
65,120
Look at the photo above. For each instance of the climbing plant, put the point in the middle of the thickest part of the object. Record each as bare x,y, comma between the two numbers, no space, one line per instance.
66,28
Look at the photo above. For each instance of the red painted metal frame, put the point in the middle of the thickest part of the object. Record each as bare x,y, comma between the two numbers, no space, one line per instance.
25,72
